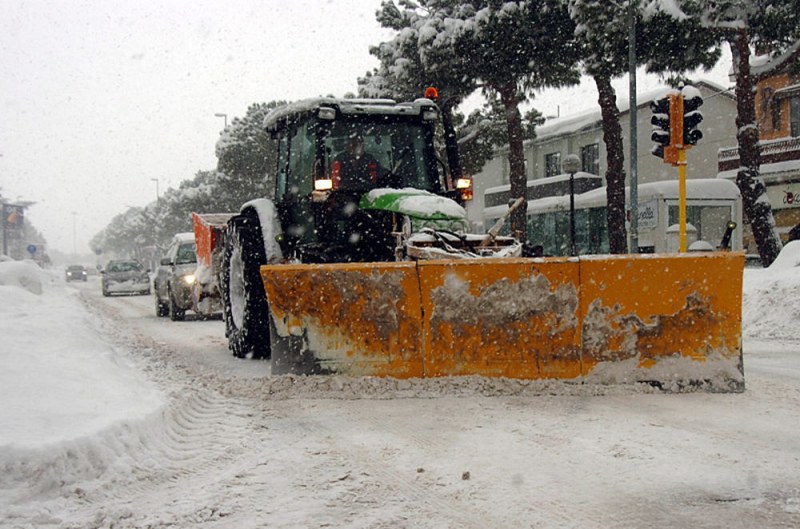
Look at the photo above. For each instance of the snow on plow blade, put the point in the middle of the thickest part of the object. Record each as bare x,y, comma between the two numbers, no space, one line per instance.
673,321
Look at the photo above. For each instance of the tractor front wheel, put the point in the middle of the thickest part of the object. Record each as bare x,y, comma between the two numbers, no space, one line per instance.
246,313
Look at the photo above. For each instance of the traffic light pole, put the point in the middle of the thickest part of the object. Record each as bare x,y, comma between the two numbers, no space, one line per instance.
682,200
676,118
676,141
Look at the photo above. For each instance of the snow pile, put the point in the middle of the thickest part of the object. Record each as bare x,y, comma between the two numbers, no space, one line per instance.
60,382
771,297
22,274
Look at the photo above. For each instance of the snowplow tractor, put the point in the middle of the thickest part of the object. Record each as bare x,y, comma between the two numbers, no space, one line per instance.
359,262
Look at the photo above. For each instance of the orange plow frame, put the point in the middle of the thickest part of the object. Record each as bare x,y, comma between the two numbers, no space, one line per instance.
670,320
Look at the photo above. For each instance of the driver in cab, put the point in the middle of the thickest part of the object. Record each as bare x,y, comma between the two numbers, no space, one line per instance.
355,169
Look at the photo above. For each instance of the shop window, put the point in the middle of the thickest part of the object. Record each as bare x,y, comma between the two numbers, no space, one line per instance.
552,164
590,158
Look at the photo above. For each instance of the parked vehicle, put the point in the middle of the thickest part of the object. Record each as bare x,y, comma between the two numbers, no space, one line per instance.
125,276
76,273
175,278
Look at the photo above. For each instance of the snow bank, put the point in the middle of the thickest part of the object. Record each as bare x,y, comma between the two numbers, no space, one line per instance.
59,380
22,274
771,297
788,258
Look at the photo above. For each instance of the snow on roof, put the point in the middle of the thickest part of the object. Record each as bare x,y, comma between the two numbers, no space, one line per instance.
696,189
541,181
185,236
769,171
762,64
347,106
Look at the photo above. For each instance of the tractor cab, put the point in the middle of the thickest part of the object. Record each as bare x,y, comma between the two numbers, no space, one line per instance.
330,154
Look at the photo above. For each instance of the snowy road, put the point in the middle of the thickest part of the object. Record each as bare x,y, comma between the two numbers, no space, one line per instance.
235,447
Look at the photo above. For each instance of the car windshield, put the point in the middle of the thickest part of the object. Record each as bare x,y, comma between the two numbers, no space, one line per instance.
75,269
186,254
127,266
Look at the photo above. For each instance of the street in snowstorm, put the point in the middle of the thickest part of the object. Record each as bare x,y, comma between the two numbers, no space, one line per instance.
213,441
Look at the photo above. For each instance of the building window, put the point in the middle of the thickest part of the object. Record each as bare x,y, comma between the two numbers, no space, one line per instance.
590,158
766,102
775,111
552,164
794,114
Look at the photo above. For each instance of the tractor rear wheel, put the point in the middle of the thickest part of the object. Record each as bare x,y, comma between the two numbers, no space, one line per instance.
246,313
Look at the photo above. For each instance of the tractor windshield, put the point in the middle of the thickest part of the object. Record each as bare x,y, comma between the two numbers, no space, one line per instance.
384,154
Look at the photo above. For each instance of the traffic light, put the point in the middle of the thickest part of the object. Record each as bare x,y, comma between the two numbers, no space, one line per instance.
661,125
691,118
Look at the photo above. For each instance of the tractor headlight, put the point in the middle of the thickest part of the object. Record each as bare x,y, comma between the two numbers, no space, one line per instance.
323,184
189,279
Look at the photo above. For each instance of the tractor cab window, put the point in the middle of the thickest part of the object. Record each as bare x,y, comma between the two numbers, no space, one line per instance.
362,155
283,166
297,154
301,161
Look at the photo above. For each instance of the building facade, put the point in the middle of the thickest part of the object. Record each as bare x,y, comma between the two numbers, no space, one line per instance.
777,101
583,135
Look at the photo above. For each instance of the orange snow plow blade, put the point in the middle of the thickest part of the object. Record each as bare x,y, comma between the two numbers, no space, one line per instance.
354,319
673,321
511,318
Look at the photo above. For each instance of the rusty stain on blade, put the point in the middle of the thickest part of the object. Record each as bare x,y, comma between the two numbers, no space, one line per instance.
510,318
660,318
355,318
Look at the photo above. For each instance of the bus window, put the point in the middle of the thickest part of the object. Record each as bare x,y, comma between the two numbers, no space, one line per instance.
710,221
598,231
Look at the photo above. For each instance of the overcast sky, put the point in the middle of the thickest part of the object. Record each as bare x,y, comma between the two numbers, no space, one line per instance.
100,97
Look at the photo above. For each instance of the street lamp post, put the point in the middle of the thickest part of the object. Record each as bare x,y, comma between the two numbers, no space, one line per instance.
158,195
74,234
221,115
572,163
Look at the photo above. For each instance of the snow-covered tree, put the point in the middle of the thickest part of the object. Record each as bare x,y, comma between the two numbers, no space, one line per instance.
245,155
411,61
513,49
664,43
485,129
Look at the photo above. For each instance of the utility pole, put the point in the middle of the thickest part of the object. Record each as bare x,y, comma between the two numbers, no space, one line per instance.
634,182
74,235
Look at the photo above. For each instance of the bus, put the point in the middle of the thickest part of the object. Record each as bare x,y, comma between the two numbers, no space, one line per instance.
711,204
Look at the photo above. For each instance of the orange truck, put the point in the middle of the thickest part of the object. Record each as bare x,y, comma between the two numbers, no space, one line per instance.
209,234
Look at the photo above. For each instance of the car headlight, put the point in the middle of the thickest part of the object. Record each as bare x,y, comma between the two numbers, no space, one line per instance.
189,279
